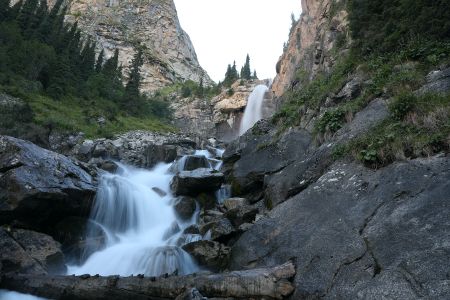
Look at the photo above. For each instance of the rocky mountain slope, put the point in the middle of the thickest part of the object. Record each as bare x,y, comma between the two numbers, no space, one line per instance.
169,55
321,24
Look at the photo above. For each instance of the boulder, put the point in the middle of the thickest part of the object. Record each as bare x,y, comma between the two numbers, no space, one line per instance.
210,254
361,233
232,203
192,183
219,230
185,207
193,162
192,294
242,214
39,187
159,191
30,252
80,237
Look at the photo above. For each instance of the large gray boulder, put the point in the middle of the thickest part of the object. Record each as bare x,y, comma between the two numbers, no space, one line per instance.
358,233
29,252
210,254
197,181
39,187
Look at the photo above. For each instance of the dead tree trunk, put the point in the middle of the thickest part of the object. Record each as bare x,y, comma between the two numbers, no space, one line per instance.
268,283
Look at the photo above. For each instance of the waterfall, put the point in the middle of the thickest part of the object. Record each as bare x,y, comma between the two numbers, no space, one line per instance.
140,226
253,111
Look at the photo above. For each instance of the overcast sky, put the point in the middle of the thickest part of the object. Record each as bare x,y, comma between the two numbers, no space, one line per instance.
226,30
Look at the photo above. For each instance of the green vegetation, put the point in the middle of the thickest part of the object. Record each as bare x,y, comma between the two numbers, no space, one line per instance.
246,73
187,89
395,44
47,64
418,126
232,75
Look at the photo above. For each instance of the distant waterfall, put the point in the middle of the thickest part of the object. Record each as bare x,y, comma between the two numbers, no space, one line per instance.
139,226
253,111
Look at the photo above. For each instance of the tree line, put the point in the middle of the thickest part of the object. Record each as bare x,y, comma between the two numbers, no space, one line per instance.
39,51
231,75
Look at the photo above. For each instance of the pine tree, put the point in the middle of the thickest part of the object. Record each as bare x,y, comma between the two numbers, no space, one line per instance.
87,66
26,15
99,63
4,9
245,71
254,75
234,72
134,78
14,11
110,68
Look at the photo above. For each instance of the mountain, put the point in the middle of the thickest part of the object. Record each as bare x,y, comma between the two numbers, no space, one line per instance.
153,25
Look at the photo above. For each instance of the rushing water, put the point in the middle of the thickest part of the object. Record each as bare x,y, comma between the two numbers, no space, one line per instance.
253,111
9,295
142,230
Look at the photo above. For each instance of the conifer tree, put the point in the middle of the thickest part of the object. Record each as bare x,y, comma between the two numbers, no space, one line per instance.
14,11
4,9
245,71
109,69
254,75
87,65
134,78
99,63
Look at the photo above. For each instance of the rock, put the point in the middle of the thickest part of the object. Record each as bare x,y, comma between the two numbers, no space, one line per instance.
211,215
79,237
312,44
193,229
30,252
194,162
218,230
232,203
438,81
159,191
42,248
210,254
139,148
190,163
185,207
351,231
109,166
192,294
242,214
187,239
39,187
197,181
258,153
349,91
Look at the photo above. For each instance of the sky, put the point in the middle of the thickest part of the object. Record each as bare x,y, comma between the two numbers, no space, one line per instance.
226,30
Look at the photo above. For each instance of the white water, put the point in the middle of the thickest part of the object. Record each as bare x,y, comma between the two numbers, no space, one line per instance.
139,226
253,111
8,295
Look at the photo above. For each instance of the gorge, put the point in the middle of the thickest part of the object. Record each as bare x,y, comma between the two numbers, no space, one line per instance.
330,182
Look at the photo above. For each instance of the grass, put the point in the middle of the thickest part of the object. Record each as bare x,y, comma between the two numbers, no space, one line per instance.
417,126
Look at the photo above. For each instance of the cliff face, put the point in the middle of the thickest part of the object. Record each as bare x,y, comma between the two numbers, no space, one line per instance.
322,24
169,53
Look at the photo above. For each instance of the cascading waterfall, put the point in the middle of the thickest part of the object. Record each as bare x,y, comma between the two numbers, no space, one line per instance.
139,226
253,111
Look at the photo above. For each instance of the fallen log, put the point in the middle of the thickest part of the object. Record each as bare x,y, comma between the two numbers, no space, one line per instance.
267,283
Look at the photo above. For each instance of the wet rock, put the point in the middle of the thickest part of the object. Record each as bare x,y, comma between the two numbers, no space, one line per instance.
188,238
232,203
195,182
193,229
211,215
210,254
80,237
351,233
29,252
220,229
242,214
193,162
159,191
109,166
40,187
185,207
172,230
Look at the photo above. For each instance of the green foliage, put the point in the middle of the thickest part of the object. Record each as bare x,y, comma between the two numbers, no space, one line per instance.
231,75
331,121
385,25
230,92
246,73
421,127
48,64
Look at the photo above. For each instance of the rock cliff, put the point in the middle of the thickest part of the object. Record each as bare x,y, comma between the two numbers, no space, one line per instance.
322,24
169,55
